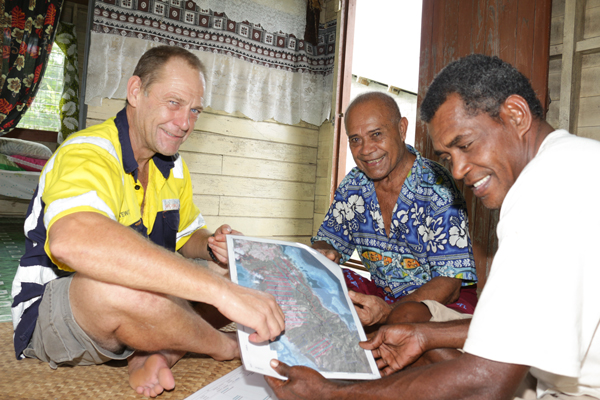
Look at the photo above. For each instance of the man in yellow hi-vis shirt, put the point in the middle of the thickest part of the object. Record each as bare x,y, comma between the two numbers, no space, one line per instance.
89,287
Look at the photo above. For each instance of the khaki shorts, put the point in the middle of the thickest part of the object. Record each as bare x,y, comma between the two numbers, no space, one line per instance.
441,313
58,339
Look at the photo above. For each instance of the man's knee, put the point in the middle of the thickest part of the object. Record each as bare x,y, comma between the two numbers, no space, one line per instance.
101,308
59,339
409,312
95,296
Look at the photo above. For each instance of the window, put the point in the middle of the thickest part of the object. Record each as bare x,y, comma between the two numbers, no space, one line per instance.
44,113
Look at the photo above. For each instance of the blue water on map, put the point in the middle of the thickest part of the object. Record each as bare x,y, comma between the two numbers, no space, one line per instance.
324,284
286,352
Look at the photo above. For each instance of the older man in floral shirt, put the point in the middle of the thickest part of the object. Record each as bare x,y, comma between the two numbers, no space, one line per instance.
404,216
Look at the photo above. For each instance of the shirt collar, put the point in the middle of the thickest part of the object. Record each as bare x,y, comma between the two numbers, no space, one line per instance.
420,172
130,165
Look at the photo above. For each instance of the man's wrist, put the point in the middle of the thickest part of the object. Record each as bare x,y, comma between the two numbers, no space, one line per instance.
385,314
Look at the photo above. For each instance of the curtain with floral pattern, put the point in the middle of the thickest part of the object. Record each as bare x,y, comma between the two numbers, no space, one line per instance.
28,30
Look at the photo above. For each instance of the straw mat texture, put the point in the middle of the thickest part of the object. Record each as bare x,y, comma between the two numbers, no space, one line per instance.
33,380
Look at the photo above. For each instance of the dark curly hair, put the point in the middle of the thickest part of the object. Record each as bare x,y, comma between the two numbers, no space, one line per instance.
483,83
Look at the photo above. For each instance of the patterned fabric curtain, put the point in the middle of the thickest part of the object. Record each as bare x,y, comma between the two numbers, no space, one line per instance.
260,73
66,39
28,30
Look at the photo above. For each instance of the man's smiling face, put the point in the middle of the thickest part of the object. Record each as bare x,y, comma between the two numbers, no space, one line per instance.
376,142
482,151
167,110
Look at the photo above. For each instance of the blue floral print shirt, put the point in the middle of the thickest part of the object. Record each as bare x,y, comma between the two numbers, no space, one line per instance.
429,233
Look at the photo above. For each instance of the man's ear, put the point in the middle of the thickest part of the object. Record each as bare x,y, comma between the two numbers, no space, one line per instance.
402,127
518,114
134,90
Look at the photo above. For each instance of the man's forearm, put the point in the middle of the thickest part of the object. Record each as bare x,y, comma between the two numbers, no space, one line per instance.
450,334
196,246
441,289
467,377
107,251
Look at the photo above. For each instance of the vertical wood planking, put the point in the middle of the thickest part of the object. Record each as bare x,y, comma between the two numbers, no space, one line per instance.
342,98
451,24
571,66
426,70
507,30
526,32
568,55
541,52
479,25
491,28
437,48
466,10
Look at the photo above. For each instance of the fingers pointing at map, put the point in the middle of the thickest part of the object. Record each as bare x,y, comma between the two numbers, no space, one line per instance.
254,309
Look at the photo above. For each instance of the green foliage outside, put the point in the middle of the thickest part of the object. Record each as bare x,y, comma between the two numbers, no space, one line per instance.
44,113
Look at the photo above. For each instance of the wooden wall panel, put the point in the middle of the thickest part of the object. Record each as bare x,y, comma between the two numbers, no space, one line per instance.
579,37
525,30
259,168
591,26
324,174
210,143
518,31
478,23
539,81
259,177
266,227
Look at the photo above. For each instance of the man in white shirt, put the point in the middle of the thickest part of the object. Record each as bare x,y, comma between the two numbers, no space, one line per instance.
485,120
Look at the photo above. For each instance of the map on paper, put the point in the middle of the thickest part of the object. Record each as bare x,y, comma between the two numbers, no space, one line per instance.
322,328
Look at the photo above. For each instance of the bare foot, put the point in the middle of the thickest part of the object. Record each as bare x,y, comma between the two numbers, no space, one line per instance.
150,374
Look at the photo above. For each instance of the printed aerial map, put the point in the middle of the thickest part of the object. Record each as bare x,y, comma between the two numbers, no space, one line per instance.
320,330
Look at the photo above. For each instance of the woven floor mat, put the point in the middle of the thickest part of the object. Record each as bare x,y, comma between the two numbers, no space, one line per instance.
33,380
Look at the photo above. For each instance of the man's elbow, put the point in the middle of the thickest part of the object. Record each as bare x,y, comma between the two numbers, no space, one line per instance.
64,237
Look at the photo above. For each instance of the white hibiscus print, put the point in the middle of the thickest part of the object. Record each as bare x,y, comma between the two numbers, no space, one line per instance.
377,221
433,234
339,212
399,224
344,213
459,236
417,214
356,204
402,216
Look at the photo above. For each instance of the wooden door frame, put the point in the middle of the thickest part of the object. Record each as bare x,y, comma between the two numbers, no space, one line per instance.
342,94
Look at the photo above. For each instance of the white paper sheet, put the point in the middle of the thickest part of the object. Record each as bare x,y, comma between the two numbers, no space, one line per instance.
239,384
